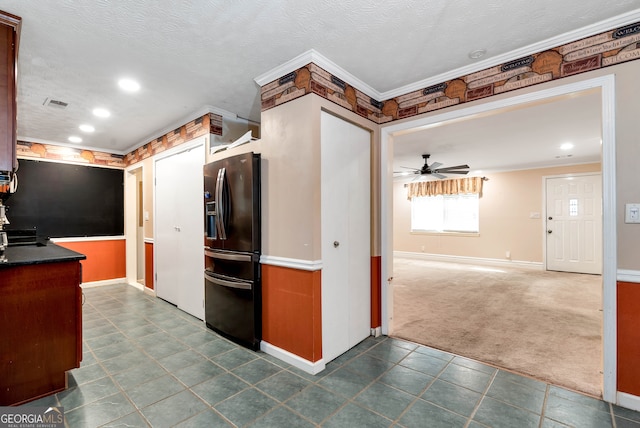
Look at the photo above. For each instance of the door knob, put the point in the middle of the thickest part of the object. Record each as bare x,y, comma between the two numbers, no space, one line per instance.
550,218
336,244
549,231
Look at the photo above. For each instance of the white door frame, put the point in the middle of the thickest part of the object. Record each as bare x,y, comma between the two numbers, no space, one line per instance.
131,223
544,207
609,263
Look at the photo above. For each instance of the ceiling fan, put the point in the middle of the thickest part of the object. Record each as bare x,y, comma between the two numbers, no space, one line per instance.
434,169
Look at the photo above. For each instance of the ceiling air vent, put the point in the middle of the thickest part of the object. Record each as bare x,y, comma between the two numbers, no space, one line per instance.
55,103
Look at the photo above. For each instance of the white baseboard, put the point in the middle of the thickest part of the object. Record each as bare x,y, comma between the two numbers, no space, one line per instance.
626,275
143,288
136,284
291,263
104,282
294,360
628,401
376,332
469,260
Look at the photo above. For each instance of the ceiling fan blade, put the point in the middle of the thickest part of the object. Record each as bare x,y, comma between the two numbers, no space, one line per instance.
453,167
415,169
434,165
454,172
440,176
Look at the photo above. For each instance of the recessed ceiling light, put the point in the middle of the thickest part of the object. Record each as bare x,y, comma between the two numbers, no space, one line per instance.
478,53
101,112
75,139
128,85
566,146
86,128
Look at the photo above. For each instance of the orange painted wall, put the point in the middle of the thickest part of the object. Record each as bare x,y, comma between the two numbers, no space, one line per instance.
291,311
376,292
149,278
629,338
105,259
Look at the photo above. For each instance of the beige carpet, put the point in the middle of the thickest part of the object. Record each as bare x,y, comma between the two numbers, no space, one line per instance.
544,324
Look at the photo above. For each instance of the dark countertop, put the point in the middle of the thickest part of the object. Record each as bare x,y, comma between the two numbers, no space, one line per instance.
35,254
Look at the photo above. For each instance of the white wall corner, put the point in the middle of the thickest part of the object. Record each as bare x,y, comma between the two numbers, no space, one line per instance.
289,358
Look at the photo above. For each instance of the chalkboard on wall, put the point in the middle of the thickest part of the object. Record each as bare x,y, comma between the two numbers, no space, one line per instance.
64,200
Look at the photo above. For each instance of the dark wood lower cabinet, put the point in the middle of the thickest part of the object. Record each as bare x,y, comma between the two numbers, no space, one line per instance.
40,329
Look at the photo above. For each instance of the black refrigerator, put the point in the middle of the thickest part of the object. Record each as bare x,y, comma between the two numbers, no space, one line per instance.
233,304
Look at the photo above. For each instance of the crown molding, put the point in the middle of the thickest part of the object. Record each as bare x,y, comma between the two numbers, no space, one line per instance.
180,122
312,56
553,42
68,145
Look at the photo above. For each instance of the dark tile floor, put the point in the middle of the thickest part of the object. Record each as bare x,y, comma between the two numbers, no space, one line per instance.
147,363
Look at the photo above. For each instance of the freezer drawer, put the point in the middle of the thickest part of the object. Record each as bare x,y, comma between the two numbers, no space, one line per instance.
232,264
233,309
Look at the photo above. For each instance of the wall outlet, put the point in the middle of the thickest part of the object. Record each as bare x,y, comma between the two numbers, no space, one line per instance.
422,248
632,213
507,254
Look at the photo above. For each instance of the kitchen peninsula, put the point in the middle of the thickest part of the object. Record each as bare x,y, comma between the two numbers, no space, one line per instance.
40,320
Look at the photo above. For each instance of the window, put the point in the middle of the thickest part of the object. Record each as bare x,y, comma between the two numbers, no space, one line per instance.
445,213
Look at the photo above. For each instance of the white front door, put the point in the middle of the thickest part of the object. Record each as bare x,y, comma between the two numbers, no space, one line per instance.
346,235
574,224
179,230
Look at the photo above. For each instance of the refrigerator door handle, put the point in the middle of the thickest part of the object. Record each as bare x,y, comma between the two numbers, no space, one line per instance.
224,256
230,284
220,202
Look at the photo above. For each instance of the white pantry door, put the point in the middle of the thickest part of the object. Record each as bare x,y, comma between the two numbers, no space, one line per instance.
574,224
178,246
346,235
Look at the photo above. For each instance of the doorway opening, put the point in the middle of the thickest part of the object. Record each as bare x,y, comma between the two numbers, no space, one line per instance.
605,86
134,228
140,268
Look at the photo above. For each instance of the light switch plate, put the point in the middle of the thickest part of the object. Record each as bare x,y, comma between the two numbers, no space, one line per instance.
632,213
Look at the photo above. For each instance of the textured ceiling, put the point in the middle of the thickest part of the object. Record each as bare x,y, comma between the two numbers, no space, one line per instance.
187,55
524,137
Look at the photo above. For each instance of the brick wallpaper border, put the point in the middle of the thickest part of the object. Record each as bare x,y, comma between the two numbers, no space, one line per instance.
30,150
605,49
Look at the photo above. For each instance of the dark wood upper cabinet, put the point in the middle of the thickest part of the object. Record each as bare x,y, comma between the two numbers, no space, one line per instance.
9,38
